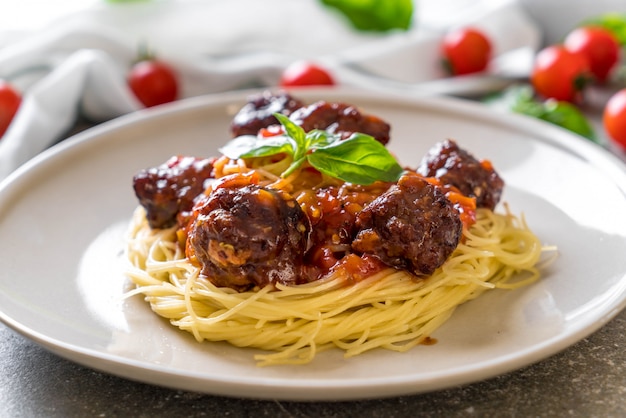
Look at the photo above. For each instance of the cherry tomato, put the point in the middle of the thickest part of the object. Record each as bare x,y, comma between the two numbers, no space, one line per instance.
153,82
302,73
560,74
614,118
598,45
10,100
466,51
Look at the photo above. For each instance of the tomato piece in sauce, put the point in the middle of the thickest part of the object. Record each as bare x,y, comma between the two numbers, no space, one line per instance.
359,267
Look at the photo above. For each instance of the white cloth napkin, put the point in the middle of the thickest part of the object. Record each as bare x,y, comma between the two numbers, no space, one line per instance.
78,65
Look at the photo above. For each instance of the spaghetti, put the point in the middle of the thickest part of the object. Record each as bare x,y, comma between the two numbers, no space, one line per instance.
281,248
390,309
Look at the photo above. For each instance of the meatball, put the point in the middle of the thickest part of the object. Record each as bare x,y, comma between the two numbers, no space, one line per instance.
259,112
411,226
453,165
342,119
249,236
170,188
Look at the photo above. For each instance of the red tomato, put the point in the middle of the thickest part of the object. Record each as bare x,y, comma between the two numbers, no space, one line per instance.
560,74
153,82
598,45
302,73
10,100
614,118
466,51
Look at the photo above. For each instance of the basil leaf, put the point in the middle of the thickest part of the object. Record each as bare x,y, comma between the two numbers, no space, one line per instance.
295,133
318,138
293,167
568,116
520,99
359,159
375,15
247,146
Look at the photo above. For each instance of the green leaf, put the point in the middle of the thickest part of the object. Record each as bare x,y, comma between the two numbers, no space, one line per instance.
293,166
521,99
359,159
568,116
518,95
248,146
295,133
375,15
318,138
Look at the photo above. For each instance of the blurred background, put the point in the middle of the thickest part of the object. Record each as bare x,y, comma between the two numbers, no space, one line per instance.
86,49
20,18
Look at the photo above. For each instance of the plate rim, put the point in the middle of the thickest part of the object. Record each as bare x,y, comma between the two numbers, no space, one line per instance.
318,389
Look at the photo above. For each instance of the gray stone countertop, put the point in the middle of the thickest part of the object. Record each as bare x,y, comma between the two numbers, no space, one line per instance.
586,380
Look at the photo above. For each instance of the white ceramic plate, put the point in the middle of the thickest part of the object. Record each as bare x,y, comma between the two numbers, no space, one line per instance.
64,214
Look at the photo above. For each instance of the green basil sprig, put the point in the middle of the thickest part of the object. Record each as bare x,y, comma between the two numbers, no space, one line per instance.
375,15
521,99
359,159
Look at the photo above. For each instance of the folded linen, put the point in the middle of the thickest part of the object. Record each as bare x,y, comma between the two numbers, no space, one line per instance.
78,66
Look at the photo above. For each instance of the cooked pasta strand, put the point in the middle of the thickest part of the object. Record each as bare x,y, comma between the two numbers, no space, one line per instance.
392,309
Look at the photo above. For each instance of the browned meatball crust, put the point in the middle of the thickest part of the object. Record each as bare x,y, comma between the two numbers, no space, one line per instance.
259,111
171,187
411,226
249,236
342,119
453,165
